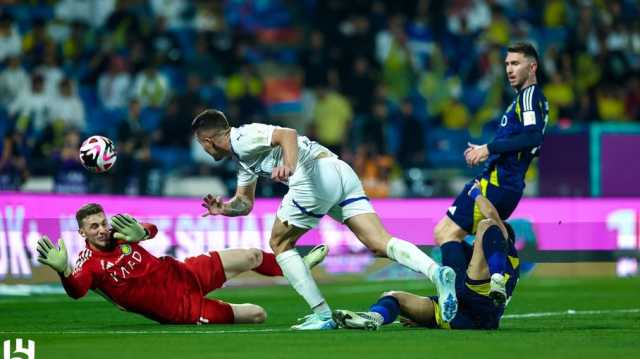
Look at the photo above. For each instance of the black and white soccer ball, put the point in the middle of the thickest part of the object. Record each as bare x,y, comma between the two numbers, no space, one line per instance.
98,154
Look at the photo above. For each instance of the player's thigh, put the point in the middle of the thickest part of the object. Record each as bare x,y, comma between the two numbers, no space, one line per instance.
419,309
448,231
236,261
478,268
460,214
369,230
284,235
208,269
248,313
504,200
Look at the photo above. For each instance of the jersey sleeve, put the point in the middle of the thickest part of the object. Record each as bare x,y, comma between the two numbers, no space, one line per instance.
245,177
253,138
78,283
532,109
151,229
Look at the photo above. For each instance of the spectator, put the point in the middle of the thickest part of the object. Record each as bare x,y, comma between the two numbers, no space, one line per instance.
70,176
151,87
175,128
10,44
36,41
412,149
331,118
50,70
114,85
13,81
30,108
13,161
67,107
131,174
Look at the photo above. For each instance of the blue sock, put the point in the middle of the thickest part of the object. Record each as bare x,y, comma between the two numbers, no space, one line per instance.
457,256
494,246
388,307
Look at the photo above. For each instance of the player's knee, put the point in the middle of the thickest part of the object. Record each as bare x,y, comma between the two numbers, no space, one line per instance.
440,233
482,227
258,315
254,257
391,293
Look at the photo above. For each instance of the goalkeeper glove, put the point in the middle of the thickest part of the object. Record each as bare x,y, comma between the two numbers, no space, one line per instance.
55,258
127,228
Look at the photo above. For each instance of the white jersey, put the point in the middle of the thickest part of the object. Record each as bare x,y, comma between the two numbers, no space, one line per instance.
251,146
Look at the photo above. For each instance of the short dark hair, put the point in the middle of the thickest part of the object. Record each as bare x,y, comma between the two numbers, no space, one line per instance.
524,48
86,211
210,119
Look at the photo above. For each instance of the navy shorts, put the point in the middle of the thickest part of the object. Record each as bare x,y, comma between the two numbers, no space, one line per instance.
475,311
465,213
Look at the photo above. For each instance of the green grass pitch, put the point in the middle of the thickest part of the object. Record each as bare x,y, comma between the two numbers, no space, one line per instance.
547,318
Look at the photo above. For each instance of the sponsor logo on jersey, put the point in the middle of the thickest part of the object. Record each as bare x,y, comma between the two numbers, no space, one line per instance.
125,249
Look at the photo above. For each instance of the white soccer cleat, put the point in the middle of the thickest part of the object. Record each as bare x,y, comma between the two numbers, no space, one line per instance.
316,255
445,281
315,322
498,290
352,320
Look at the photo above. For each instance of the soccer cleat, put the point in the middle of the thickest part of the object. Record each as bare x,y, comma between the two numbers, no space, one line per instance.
315,322
498,291
445,282
352,320
316,255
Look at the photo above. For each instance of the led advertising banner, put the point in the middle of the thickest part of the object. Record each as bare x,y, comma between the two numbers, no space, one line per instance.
544,224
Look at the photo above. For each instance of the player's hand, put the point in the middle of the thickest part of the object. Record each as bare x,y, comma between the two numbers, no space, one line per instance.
406,322
127,228
281,174
475,154
55,258
476,184
212,204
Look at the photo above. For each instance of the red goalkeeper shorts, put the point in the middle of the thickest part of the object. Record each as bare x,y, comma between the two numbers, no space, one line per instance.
209,271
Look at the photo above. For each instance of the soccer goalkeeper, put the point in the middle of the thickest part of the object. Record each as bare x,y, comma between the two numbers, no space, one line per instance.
163,289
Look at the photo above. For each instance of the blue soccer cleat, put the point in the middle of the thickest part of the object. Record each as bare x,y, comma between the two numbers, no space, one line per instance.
315,322
445,281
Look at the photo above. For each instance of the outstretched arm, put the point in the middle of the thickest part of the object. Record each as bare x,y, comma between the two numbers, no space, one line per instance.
76,281
240,204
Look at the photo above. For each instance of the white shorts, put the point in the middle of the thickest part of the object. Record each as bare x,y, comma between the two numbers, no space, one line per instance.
323,186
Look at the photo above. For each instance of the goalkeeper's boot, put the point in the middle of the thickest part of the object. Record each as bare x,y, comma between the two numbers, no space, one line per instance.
316,255
357,320
445,281
498,290
315,322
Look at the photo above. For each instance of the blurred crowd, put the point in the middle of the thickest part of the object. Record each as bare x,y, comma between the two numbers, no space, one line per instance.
394,87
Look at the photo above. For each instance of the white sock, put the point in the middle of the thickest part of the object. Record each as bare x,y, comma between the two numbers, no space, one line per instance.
299,276
412,257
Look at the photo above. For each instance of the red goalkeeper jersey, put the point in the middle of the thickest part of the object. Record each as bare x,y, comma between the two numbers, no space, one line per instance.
162,289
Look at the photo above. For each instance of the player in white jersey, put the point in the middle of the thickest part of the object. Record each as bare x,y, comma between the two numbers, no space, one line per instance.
319,183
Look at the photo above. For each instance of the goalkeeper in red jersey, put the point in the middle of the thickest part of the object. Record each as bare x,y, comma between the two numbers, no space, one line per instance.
163,289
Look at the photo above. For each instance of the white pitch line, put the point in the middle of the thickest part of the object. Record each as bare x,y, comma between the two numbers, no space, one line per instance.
569,312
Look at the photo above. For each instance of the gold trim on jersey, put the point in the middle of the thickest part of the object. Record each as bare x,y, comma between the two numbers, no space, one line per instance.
439,322
484,288
493,177
477,215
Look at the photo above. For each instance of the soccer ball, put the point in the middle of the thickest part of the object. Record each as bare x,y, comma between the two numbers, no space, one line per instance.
98,154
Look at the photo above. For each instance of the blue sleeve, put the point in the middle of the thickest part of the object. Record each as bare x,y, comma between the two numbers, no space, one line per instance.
533,109
524,140
532,114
